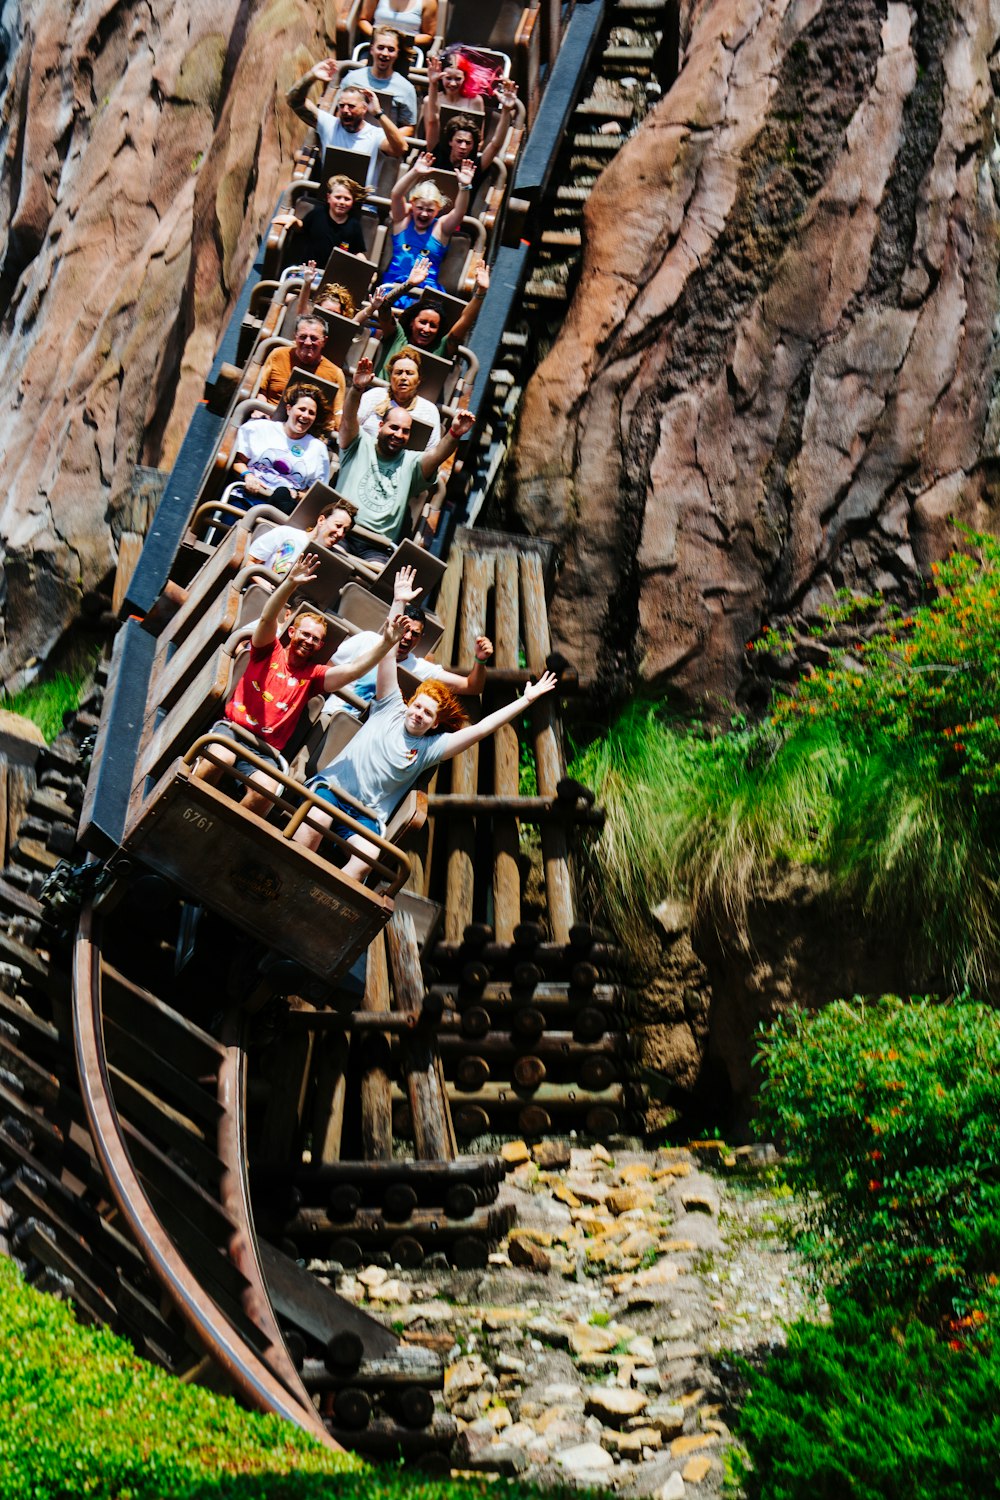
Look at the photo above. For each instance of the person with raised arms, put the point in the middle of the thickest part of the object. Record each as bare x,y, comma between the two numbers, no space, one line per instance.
397,743
279,680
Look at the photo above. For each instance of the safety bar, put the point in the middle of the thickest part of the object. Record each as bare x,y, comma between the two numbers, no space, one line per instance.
307,800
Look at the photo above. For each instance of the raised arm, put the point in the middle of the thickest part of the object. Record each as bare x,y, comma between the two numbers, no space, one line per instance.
364,372
399,208
474,680
501,127
431,461
393,139
297,97
403,593
462,739
465,322
305,290
449,222
337,677
303,571
432,104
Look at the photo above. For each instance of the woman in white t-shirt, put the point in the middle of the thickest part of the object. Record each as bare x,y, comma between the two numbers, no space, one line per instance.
403,372
278,461
278,547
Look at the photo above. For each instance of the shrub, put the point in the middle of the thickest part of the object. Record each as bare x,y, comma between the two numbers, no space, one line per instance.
872,1409
889,1111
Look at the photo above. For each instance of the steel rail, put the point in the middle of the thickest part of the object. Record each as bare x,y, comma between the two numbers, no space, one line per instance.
251,1377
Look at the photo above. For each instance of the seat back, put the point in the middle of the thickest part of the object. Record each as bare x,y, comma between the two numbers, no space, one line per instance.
360,608
352,272
429,570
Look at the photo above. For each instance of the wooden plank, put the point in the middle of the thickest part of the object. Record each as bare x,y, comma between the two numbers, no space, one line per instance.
129,547
432,1128
477,579
506,753
330,1097
376,1110
548,756
288,1078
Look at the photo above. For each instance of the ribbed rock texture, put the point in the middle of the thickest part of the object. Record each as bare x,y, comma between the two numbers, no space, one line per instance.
778,375
142,150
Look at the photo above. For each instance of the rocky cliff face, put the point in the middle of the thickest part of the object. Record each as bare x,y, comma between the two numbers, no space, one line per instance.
142,152
779,373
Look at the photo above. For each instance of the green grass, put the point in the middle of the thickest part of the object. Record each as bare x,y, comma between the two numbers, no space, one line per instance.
882,770
44,703
82,1415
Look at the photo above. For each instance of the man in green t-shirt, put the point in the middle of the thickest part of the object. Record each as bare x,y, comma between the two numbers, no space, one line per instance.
380,475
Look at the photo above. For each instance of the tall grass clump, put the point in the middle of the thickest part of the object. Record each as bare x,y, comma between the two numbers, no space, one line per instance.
882,770
45,703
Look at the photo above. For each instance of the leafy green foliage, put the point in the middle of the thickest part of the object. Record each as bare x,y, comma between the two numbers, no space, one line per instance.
888,1111
872,1408
82,1416
883,770
44,703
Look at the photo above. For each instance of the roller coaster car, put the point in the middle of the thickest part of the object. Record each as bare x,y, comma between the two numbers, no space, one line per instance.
249,870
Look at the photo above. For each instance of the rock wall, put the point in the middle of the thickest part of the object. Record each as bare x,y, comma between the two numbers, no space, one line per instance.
142,152
778,374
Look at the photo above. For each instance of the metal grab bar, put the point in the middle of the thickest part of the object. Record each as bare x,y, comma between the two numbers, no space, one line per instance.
306,801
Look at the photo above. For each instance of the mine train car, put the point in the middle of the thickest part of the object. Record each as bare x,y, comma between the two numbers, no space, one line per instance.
195,593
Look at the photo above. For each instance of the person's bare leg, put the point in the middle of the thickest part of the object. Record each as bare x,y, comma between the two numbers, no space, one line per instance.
308,834
258,801
208,770
355,867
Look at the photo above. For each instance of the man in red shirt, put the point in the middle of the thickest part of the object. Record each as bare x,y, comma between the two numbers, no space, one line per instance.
278,682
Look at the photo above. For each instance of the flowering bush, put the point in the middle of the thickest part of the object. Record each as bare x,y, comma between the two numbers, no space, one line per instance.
888,1111
872,1408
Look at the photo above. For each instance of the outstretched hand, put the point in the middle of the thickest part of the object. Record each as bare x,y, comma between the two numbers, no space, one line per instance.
304,569
393,627
424,163
465,173
419,271
484,648
403,590
545,684
434,69
328,69
364,374
461,423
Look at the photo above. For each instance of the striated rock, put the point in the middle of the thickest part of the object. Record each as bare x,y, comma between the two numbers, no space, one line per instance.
671,1489
613,1406
143,149
529,1255
585,1458
777,375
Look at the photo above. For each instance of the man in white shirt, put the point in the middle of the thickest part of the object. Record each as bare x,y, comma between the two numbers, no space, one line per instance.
280,546
463,683
357,124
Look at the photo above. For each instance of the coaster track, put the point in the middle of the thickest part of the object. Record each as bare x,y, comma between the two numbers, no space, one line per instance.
181,1129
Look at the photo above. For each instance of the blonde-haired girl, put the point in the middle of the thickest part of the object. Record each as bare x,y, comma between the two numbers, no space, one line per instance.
423,222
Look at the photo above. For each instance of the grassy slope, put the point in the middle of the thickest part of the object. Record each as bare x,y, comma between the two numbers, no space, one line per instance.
82,1415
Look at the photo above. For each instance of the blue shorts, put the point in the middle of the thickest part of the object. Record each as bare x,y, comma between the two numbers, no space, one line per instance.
325,791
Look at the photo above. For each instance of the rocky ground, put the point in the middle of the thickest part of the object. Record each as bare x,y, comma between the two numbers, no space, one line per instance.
596,1348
